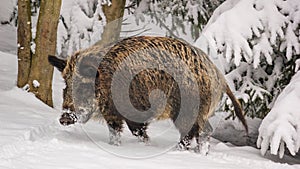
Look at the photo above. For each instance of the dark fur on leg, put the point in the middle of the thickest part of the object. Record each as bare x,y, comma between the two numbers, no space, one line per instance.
115,129
185,141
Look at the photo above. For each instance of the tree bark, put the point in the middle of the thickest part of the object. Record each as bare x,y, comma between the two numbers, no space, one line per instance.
45,42
114,17
24,42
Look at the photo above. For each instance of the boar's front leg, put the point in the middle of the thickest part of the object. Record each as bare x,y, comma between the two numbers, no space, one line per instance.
115,126
139,130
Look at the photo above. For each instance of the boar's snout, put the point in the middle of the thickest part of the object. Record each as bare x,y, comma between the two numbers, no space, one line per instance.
67,119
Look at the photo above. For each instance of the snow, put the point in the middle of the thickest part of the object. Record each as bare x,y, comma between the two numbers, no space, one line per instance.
79,26
297,65
243,38
106,2
8,38
281,127
252,24
36,83
246,32
31,137
6,9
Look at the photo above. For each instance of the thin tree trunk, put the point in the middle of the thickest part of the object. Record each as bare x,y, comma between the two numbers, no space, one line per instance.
24,42
114,17
46,34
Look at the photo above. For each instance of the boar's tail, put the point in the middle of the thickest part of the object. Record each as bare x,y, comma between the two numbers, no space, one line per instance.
237,108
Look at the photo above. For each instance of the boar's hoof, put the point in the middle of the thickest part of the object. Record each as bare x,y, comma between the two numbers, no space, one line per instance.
182,147
202,148
67,119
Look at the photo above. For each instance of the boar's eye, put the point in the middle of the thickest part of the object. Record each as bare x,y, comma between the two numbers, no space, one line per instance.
87,66
87,71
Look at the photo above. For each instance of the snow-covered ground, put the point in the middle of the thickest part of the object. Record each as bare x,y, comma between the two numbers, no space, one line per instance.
31,137
8,38
280,127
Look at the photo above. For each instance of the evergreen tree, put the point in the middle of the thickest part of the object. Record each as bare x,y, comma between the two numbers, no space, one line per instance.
184,14
86,22
257,43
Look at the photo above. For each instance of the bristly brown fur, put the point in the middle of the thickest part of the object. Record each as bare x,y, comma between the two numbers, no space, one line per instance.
211,83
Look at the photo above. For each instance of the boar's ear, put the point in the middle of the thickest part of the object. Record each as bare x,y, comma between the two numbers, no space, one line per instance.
60,64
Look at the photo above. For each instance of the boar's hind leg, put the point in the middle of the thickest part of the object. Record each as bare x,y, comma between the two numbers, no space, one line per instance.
203,139
185,141
115,126
139,130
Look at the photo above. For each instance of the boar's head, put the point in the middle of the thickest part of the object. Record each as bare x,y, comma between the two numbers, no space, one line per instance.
79,72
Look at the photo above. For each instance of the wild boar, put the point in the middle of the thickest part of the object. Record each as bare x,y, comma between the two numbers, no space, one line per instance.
140,79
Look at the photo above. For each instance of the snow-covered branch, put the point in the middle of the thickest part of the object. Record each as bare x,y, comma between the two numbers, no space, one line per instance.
247,30
281,127
263,37
80,25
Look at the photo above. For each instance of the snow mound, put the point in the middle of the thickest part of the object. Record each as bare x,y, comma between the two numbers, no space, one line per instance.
281,127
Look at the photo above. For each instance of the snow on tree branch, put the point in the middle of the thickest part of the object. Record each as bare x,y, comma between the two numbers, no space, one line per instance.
178,17
249,29
263,37
282,125
81,25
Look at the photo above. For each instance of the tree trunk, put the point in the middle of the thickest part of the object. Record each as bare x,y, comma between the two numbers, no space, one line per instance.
24,40
46,34
114,17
